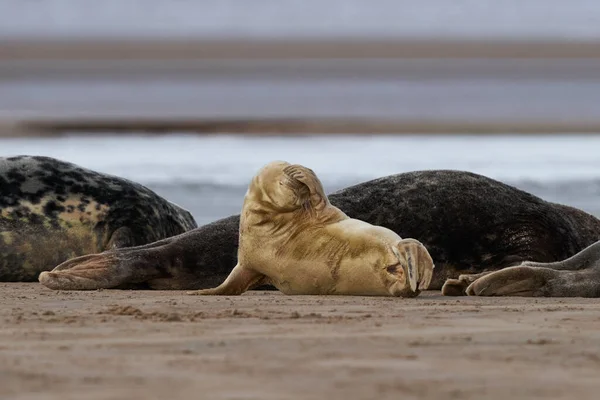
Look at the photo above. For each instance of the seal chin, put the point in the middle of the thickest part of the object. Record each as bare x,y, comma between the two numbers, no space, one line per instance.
400,289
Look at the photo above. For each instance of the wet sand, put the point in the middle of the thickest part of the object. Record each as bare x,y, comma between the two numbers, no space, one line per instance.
299,86
263,345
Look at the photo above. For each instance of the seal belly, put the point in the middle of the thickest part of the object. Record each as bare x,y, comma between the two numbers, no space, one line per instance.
308,277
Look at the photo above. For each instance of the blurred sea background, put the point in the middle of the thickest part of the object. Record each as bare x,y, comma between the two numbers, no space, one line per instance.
192,97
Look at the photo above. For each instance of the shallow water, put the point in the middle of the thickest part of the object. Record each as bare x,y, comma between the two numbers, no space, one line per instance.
209,174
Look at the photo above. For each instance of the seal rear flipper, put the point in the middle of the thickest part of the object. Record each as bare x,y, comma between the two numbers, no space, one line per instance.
106,270
306,176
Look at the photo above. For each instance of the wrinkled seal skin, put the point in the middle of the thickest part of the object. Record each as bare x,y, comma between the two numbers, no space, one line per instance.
293,238
469,224
52,210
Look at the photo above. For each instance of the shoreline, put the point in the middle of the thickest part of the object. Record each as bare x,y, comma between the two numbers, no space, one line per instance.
298,86
55,127
130,48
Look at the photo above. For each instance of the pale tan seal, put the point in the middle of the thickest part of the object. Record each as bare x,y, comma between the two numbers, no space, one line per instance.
293,238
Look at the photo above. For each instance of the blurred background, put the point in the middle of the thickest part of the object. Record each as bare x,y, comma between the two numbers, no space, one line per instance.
191,97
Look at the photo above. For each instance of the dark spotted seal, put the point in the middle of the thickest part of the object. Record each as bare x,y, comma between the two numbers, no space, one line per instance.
52,210
469,223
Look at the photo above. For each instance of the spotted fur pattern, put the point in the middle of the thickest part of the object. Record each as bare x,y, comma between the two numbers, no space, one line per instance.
52,210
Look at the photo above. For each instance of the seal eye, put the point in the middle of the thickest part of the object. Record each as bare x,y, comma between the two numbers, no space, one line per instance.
392,269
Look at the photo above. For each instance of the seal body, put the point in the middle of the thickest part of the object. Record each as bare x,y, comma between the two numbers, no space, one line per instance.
293,238
469,223
52,210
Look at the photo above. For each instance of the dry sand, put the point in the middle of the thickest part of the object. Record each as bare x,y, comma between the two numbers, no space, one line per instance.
263,345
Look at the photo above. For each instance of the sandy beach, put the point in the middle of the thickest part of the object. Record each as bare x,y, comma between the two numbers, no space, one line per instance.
264,345
213,90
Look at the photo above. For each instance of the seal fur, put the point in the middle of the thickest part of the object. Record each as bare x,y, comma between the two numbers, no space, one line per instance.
469,223
51,211
293,238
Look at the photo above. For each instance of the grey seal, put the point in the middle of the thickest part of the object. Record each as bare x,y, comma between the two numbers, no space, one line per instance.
469,223
51,211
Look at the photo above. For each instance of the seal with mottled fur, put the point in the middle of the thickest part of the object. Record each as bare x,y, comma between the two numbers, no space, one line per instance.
291,237
469,224
51,211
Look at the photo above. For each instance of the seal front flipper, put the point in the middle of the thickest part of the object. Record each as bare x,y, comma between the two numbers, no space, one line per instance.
458,287
106,270
417,265
240,280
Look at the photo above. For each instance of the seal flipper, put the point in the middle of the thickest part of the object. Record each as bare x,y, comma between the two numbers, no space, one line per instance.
306,176
577,276
416,263
106,270
521,281
240,280
458,287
